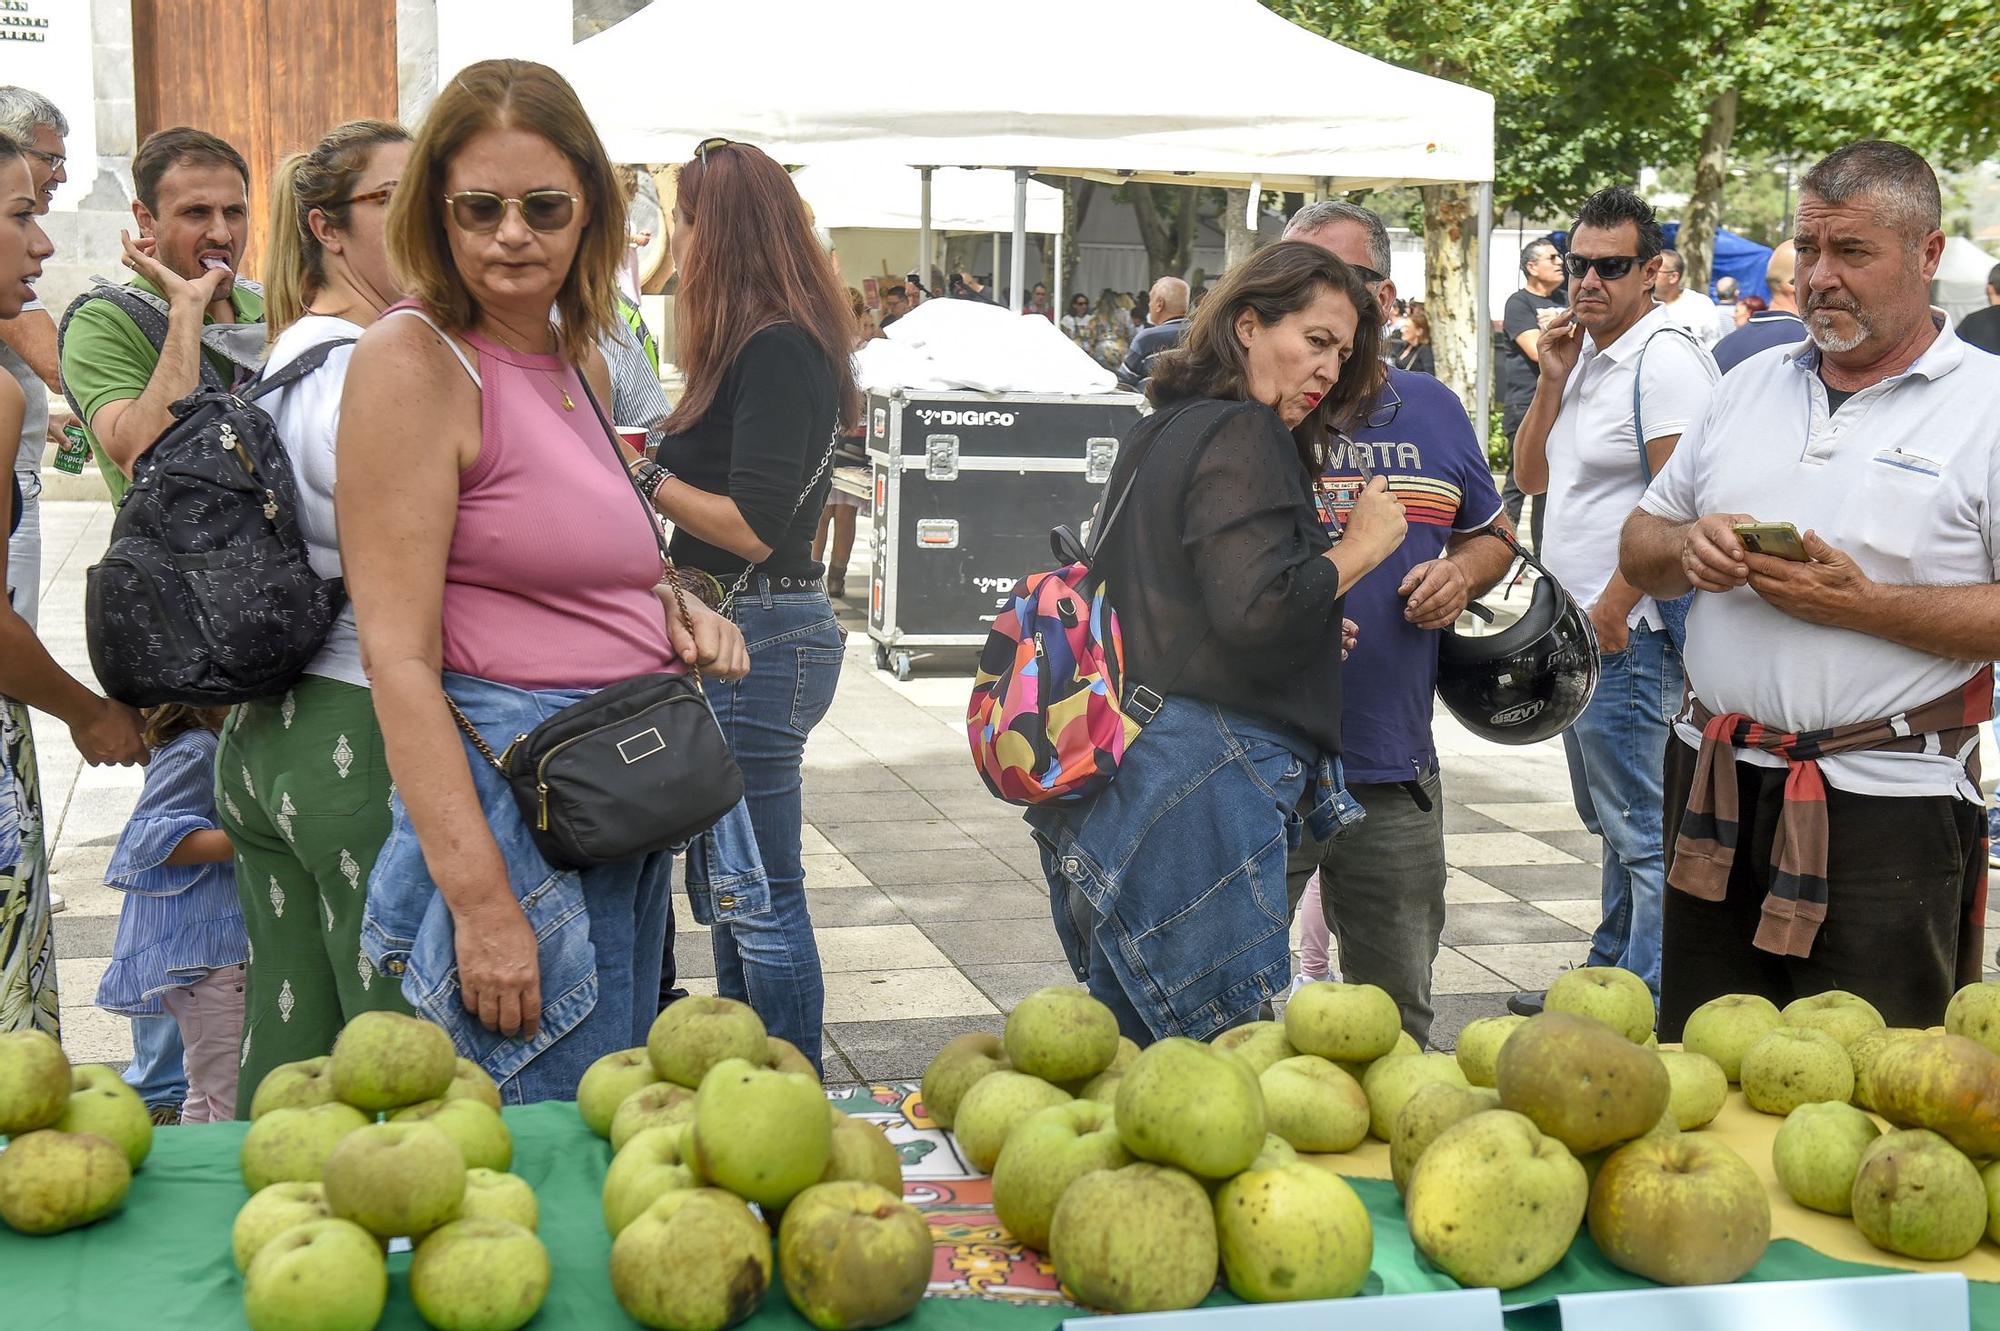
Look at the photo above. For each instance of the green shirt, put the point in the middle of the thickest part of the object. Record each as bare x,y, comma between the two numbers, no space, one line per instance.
105,358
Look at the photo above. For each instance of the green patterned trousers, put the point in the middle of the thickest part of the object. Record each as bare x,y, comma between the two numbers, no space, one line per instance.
303,790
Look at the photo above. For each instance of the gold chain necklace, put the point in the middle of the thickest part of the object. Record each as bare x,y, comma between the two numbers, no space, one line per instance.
568,403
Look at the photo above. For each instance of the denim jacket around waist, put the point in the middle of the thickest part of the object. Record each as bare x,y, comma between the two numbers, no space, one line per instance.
406,928
1172,896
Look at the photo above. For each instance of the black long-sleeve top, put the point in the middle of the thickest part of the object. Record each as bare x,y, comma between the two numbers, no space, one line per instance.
1220,540
759,443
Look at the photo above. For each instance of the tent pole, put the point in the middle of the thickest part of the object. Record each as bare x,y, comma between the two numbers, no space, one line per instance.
924,232
1482,392
1056,296
1017,271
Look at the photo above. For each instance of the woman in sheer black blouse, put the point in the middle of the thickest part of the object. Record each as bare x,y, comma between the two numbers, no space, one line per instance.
1168,888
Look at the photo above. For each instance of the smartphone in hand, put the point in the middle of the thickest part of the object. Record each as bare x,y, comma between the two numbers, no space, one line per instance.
1778,539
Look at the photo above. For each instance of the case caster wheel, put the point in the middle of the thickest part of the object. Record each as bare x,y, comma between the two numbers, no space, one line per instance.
881,657
902,666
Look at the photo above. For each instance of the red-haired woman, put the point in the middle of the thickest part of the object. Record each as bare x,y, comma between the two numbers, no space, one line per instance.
764,334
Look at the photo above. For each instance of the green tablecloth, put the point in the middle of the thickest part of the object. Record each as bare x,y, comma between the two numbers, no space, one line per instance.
164,1261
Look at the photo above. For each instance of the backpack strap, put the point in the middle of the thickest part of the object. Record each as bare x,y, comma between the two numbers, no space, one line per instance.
1638,378
1132,481
1142,701
147,312
297,368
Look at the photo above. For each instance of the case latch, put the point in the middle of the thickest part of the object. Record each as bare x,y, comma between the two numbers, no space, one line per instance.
940,457
1098,457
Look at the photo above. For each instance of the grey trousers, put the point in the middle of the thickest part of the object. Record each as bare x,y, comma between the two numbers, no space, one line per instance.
1382,889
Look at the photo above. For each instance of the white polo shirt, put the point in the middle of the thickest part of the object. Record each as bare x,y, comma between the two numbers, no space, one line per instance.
1905,478
1597,470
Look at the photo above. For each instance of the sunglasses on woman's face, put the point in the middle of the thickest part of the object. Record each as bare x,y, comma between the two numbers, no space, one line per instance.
481,211
1610,267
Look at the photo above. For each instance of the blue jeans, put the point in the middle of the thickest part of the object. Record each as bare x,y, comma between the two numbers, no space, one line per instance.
1167,888
1617,757
155,1071
770,960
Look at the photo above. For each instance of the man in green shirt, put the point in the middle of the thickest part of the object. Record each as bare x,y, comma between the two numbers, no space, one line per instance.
193,214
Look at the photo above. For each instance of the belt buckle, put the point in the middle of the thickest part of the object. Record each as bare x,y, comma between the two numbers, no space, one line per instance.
1142,704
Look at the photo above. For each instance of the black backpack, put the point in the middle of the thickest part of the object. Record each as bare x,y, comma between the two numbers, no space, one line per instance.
205,596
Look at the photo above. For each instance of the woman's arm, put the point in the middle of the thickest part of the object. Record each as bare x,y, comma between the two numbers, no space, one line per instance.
408,426
104,731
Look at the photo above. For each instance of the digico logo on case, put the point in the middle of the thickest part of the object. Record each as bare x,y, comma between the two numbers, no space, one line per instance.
933,417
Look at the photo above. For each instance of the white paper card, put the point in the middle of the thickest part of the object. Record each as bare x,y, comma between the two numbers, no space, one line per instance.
1458,1310
1931,1301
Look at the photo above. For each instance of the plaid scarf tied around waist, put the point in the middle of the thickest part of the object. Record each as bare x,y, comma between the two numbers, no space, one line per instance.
1795,906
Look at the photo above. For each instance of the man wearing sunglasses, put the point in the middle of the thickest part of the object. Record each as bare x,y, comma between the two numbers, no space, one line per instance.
1616,386
1382,879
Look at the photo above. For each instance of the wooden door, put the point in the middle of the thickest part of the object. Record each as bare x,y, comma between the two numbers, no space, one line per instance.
271,77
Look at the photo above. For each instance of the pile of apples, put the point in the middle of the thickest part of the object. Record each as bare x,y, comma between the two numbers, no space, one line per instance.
1829,1062
714,1116
1139,1173
1142,1175
75,1136
331,1185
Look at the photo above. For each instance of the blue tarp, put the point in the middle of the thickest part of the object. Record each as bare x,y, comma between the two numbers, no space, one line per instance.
1737,257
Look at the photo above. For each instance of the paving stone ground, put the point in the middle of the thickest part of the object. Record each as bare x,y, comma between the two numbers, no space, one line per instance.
926,893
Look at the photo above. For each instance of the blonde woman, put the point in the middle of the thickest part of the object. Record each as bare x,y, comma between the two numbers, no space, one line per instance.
304,786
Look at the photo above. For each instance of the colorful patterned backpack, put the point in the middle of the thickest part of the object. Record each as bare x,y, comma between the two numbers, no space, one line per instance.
1051,713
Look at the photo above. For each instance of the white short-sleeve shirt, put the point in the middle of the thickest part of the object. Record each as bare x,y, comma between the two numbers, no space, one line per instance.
1597,471
1905,478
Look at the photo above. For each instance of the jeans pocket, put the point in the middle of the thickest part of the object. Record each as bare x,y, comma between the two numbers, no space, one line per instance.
818,676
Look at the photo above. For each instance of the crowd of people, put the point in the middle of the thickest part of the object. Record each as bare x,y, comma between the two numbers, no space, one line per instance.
1791,613
345,845
1779,755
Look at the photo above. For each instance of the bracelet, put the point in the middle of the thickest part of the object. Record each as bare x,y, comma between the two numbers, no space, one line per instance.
649,476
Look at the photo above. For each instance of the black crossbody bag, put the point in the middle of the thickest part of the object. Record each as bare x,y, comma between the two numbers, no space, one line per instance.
631,770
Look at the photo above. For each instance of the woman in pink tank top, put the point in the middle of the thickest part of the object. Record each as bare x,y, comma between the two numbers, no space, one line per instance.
490,536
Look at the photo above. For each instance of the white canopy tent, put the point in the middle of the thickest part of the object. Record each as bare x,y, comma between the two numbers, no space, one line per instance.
890,198
1960,284
1245,99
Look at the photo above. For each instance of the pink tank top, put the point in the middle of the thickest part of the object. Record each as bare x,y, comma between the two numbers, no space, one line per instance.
549,582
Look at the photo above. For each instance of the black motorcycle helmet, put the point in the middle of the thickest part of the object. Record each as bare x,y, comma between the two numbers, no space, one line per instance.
1532,679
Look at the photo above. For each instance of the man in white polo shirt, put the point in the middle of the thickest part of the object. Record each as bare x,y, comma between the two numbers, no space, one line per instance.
1617,385
1823,810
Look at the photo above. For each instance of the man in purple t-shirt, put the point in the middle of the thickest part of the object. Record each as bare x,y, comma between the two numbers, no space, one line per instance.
1382,879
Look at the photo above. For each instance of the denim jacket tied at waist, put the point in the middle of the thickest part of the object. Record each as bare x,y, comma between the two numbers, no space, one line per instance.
1178,861
406,927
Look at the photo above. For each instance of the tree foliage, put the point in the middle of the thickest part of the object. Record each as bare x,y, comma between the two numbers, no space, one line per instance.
1585,93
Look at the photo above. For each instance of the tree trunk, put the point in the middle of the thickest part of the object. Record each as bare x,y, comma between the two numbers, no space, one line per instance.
1154,232
1187,225
1451,275
1239,238
1696,241
1077,194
